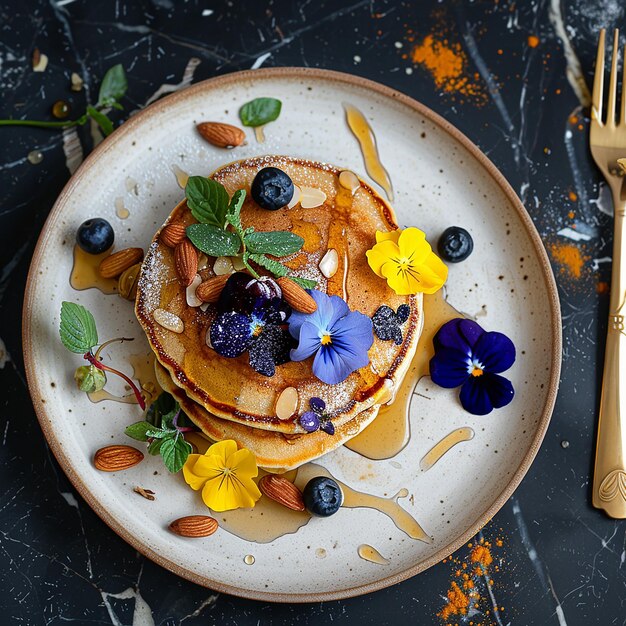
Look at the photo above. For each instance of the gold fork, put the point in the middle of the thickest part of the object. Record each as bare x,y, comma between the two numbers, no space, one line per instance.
608,147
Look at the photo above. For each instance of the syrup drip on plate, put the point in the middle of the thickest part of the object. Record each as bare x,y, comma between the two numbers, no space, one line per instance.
337,239
120,210
389,433
86,274
367,140
445,445
269,520
371,554
181,176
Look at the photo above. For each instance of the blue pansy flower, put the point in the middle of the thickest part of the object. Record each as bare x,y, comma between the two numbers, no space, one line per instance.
339,338
466,356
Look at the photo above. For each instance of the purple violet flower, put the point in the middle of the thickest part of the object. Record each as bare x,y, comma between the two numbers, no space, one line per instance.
339,338
317,418
468,357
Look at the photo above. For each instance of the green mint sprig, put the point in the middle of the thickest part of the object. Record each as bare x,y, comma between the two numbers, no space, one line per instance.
112,90
163,432
260,111
209,204
79,335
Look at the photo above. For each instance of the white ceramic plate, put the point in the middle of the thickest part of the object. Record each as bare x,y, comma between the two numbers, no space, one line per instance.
440,178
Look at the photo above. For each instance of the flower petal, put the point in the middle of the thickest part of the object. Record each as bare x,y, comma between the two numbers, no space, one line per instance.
459,334
222,449
449,368
308,342
500,390
331,367
191,478
495,351
392,235
329,308
243,464
380,254
412,244
474,396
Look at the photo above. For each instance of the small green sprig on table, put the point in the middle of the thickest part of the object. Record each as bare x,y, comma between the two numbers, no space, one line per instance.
112,90
221,233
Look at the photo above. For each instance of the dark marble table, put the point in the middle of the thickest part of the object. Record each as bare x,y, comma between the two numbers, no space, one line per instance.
514,82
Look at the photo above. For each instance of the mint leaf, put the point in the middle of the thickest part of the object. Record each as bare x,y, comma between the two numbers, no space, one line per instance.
278,269
174,453
155,447
113,86
78,328
276,243
213,241
139,430
207,200
305,283
102,120
260,111
158,433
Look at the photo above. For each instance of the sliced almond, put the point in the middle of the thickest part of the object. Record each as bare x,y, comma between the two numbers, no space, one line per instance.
281,490
210,289
287,403
223,265
221,135
190,292
349,180
238,264
172,234
194,526
312,197
186,261
168,320
116,263
116,458
329,263
296,297
295,198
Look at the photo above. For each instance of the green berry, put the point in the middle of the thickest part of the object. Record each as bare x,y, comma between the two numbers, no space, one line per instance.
89,378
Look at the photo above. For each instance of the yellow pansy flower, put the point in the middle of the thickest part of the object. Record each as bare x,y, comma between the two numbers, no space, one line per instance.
407,261
225,476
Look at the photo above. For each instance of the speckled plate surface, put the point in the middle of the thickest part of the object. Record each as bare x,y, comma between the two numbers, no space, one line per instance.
440,179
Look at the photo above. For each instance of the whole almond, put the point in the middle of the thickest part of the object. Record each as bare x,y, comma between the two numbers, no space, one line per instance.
172,234
128,282
118,262
296,297
282,491
194,526
210,289
186,261
116,458
221,135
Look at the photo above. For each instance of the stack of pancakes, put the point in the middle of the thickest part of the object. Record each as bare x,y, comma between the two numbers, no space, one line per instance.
225,397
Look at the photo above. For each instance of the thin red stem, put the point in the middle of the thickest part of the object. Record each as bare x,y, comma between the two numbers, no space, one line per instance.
101,366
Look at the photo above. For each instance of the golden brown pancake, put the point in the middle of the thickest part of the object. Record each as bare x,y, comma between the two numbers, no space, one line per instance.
273,450
230,388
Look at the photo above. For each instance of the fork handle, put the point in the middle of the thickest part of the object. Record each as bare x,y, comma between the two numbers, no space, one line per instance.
609,476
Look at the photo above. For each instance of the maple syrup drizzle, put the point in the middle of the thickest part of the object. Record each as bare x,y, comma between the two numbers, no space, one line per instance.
269,520
389,433
337,239
445,445
120,210
86,274
143,372
181,176
367,140
371,554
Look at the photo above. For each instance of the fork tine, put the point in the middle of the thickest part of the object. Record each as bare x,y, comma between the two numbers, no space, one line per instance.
598,81
610,111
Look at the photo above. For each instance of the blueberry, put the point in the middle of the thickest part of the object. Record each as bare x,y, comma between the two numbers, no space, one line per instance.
272,189
95,235
455,244
322,496
243,293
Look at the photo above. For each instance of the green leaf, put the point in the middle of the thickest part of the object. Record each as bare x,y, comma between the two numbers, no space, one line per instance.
139,430
233,216
162,405
167,419
113,86
278,269
102,120
155,447
260,111
276,243
174,453
78,328
159,433
213,241
305,283
207,200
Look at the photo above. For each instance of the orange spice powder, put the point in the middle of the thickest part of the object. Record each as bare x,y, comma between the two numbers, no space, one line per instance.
481,554
533,41
447,63
458,602
569,257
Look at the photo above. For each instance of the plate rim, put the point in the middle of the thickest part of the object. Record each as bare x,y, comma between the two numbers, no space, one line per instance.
329,76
